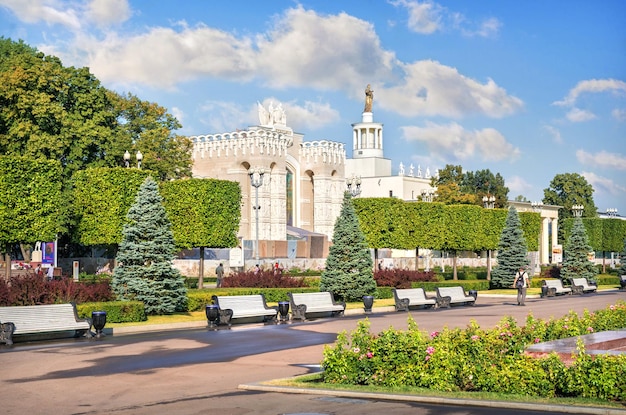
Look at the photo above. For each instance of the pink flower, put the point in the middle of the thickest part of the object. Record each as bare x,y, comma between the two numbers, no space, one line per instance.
369,355
475,337
427,358
430,350
537,340
356,350
434,334
590,329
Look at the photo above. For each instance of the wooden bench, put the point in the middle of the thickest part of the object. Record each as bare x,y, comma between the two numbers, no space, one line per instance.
406,298
248,307
41,319
554,288
446,296
581,286
303,304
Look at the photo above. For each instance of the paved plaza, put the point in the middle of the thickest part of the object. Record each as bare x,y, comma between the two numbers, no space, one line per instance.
197,371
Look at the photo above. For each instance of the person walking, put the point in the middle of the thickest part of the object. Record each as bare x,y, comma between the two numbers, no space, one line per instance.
521,283
219,272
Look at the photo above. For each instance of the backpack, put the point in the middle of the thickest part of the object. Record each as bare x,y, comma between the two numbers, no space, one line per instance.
520,280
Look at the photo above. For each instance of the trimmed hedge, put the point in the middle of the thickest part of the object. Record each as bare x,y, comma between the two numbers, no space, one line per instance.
117,311
198,299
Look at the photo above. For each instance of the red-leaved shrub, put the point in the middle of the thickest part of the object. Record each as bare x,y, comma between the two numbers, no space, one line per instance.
262,279
401,278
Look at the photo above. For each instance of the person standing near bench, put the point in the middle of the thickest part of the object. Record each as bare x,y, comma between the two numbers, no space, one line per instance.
219,272
521,283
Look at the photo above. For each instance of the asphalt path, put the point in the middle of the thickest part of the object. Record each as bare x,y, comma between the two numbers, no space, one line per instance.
200,371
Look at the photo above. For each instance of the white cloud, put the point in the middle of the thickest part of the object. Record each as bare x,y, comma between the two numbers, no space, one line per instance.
603,185
224,116
518,186
453,141
592,86
51,12
555,133
579,115
602,159
424,18
108,12
325,52
310,116
619,114
179,114
430,88
428,17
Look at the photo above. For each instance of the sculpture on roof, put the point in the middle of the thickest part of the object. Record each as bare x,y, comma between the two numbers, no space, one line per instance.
369,98
272,115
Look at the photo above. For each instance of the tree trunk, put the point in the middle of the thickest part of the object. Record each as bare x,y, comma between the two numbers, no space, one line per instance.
201,269
604,262
488,264
417,259
454,275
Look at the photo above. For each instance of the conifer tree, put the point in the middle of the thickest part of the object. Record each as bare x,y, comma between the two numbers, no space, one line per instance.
144,270
348,273
576,262
512,252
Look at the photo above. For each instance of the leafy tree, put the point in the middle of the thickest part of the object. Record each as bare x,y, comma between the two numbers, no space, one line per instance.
576,263
144,270
348,274
512,252
485,183
101,198
204,213
31,207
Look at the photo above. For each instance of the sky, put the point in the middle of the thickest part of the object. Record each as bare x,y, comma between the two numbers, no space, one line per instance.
527,89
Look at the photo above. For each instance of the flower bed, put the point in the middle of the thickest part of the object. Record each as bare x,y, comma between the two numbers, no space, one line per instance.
474,359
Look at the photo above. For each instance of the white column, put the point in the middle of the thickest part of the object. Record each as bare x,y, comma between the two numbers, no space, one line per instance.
544,246
555,232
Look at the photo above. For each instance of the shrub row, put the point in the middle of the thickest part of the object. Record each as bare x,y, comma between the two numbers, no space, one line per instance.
117,311
474,359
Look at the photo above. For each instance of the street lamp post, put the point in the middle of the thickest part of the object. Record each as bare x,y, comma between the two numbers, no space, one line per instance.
577,210
489,202
127,159
354,185
256,180
427,195
611,212
139,157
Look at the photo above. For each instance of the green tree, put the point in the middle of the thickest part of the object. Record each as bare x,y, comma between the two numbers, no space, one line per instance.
204,213
144,270
622,269
485,183
31,206
512,252
576,263
348,273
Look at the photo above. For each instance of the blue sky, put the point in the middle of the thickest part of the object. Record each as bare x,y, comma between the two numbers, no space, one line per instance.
526,89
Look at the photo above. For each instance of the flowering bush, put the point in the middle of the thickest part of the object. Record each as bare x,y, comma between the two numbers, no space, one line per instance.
474,359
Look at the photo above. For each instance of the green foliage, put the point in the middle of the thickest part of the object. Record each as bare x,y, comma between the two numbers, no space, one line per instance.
604,235
203,212
622,269
117,311
348,274
144,270
101,199
31,204
512,252
576,263
475,359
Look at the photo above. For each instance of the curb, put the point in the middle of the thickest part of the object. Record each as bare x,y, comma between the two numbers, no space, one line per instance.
435,400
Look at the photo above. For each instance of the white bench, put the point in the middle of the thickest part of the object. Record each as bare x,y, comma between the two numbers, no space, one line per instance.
622,282
446,296
303,304
554,287
406,298
581,286
39,319
248,307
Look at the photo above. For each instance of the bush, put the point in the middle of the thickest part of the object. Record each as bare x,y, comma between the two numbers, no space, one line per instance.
263,279
473,359
34,289
401,278
117,311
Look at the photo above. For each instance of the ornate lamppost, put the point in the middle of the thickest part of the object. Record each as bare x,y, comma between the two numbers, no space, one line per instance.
127,159
577,210
256,180
428,195
139,157
354,185
611,212
489,202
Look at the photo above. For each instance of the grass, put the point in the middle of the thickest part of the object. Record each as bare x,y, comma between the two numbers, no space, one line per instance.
314,381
